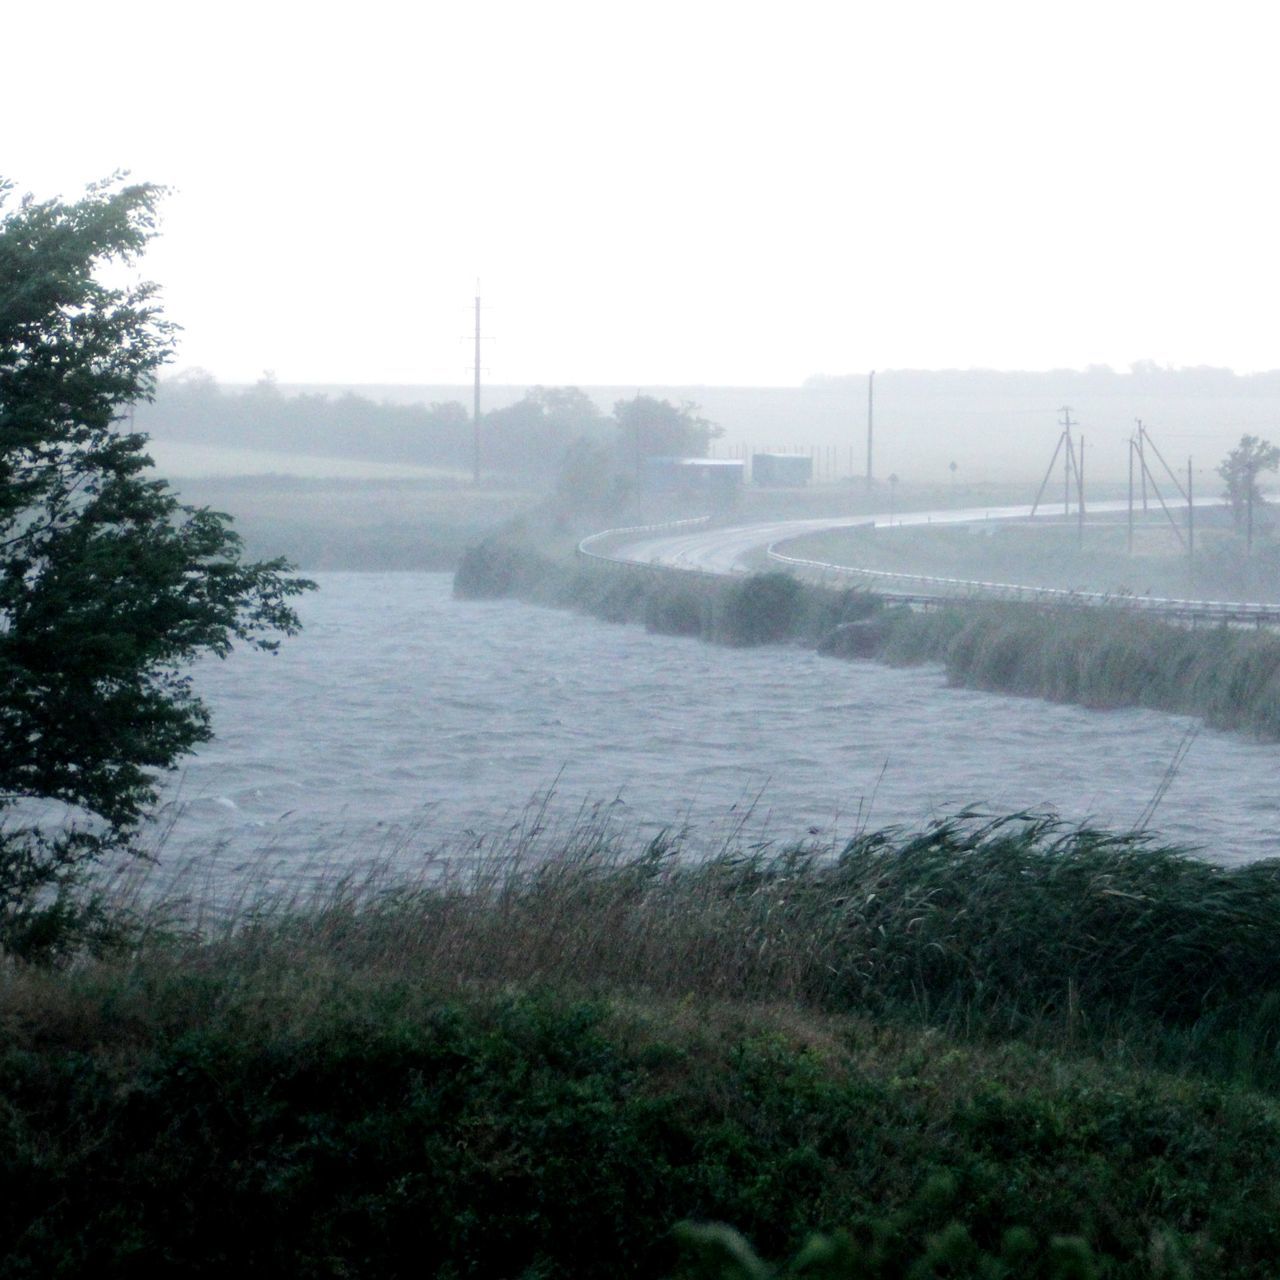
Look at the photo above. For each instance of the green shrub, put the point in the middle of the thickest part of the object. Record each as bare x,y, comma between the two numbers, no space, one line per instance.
676,611
765,608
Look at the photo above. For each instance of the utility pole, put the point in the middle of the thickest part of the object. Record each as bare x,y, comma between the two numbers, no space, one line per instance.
1080,496
1191,518
1131,495
1070,463
475,470
1142,461
1068,460
1138,443
871,390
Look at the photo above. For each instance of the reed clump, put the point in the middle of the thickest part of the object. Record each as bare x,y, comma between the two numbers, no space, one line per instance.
1016,924
1102,657
762,608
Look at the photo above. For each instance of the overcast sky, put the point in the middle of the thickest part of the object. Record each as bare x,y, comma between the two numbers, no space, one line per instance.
676,192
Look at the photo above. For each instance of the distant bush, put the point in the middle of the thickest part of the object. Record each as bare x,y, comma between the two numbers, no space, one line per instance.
497,568
676,611
766,608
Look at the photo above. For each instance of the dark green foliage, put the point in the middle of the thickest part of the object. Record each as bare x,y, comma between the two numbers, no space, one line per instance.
649,427
227,1126
108,585
1022,925
766,608
493,569
1024,915
1240,470
676,612
875,1251
46,914
945,1053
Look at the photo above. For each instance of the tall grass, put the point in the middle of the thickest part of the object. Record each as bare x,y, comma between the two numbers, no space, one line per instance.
1229,676
1010,925
538,1059
766,608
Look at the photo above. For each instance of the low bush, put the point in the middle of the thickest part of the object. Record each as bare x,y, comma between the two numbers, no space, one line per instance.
765,608
342,1127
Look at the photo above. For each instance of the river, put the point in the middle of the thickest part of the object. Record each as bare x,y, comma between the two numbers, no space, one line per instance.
405,725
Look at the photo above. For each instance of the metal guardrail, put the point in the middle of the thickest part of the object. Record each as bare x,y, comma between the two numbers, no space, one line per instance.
583,548
924,589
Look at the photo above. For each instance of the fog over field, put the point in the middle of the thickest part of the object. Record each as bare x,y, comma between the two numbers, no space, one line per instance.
996,426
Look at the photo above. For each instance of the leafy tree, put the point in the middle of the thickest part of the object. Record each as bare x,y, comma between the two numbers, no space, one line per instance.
1240,469
109,586
588,481
535,433
652,428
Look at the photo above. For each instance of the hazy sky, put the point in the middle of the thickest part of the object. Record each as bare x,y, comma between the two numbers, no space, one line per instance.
676,192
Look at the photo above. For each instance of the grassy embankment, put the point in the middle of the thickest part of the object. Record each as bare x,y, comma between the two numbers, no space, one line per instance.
956,1047
1098,657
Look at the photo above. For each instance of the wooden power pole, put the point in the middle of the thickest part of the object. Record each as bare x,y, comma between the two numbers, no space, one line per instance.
475,453
871,391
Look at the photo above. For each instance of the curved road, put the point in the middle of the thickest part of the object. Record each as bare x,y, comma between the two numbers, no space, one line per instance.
697,545
728,548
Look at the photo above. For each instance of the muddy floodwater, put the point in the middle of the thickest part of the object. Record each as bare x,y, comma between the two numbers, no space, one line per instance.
405,725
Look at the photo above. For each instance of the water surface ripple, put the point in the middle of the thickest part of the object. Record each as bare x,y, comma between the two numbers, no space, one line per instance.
402,719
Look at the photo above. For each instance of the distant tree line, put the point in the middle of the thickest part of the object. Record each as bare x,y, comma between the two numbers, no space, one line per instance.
552,432
195,408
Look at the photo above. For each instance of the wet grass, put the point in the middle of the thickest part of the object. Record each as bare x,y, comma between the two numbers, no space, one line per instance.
765,608
1228,676
1020,923
540,1060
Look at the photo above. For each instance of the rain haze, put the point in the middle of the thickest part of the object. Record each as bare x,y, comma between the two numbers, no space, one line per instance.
1002,209
676,194
679,654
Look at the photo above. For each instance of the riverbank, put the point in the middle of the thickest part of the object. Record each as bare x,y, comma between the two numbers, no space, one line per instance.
1096,657
959,1045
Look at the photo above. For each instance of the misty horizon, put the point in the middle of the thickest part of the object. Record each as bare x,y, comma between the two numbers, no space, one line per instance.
995,425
